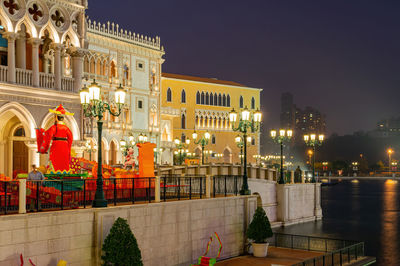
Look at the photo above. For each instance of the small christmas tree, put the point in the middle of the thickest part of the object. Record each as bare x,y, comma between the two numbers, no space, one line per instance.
120,248
260,228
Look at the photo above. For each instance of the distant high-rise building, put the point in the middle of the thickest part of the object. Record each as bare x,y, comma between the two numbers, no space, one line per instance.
309,120
302,121
287,111
387,128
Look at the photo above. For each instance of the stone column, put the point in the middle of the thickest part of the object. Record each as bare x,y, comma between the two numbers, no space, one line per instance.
77,55
3,153
57,65
22,196
11,36
33,156
21,51
35,42
157,189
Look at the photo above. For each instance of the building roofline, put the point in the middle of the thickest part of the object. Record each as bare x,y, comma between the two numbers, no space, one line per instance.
205,80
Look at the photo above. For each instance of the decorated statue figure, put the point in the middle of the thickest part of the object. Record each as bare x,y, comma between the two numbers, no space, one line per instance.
60,137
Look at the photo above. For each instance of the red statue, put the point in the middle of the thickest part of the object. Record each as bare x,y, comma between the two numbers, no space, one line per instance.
60,137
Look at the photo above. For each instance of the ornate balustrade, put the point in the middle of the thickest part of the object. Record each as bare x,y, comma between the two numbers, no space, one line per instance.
46,80
23,76
3,73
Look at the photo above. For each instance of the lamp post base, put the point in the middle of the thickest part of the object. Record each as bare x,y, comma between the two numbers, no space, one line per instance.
281,181
245,192
99,203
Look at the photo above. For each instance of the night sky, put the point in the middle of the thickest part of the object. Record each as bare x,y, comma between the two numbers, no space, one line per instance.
341,57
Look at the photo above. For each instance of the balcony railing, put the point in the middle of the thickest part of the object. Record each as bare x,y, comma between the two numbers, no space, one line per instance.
47,81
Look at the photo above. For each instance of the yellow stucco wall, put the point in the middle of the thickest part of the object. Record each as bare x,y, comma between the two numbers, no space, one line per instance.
224,137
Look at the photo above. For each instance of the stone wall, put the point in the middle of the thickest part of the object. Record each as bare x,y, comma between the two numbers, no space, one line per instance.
171,233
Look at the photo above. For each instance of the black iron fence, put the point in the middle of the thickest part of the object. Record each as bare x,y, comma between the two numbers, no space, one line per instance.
337,251
9,196
55,194
182,187
225,185
75,193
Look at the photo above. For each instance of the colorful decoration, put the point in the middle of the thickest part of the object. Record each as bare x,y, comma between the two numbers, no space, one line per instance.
146,159
207,261
75,166
129,159
60,137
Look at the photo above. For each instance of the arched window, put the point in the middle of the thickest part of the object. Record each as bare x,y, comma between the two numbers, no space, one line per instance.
206,122
228,101
183,138
241,102
207,99
215,99
183,121
223,123
198,98
253,141
213,139
202,97
169,95
113,70
253,103
211,99
183,96
197,121
201,121
215,122
98,67
219,122
224,100
219,99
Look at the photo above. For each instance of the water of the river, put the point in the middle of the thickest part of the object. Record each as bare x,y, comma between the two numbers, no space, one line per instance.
366,211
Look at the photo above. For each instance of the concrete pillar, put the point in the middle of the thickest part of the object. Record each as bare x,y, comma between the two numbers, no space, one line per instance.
157,189
21,51
317,201
270,174
57,65
35,42
291,177
11,36
208,186
22,196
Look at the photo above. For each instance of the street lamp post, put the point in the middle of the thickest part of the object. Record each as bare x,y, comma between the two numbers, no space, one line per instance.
94,106
181,148
203,141
247,121
284,137
390,151
312,141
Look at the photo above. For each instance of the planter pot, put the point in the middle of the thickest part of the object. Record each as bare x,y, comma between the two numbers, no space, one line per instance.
260,250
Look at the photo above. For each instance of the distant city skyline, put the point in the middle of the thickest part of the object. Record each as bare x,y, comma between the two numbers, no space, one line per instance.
340,57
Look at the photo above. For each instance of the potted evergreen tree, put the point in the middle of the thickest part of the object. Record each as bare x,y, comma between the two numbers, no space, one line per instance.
259,230
120,248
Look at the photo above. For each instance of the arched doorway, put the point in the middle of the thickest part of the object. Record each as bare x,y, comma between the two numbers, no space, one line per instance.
20,151
113,153
227,155
16,124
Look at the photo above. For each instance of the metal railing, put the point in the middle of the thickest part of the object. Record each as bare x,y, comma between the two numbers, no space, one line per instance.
9,196
338,251
182,187
75,193
226,185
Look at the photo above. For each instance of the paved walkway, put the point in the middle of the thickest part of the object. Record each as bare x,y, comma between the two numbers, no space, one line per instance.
276,256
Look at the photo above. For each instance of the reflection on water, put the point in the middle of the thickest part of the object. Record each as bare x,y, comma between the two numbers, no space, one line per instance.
365,211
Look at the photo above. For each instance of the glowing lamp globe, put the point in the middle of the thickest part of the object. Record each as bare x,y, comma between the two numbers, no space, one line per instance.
232,116
273,133
84,95
120,95
245,114
94,91
194,135
257,116
207,135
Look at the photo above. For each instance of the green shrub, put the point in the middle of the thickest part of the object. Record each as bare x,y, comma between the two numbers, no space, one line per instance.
120,248
260,228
